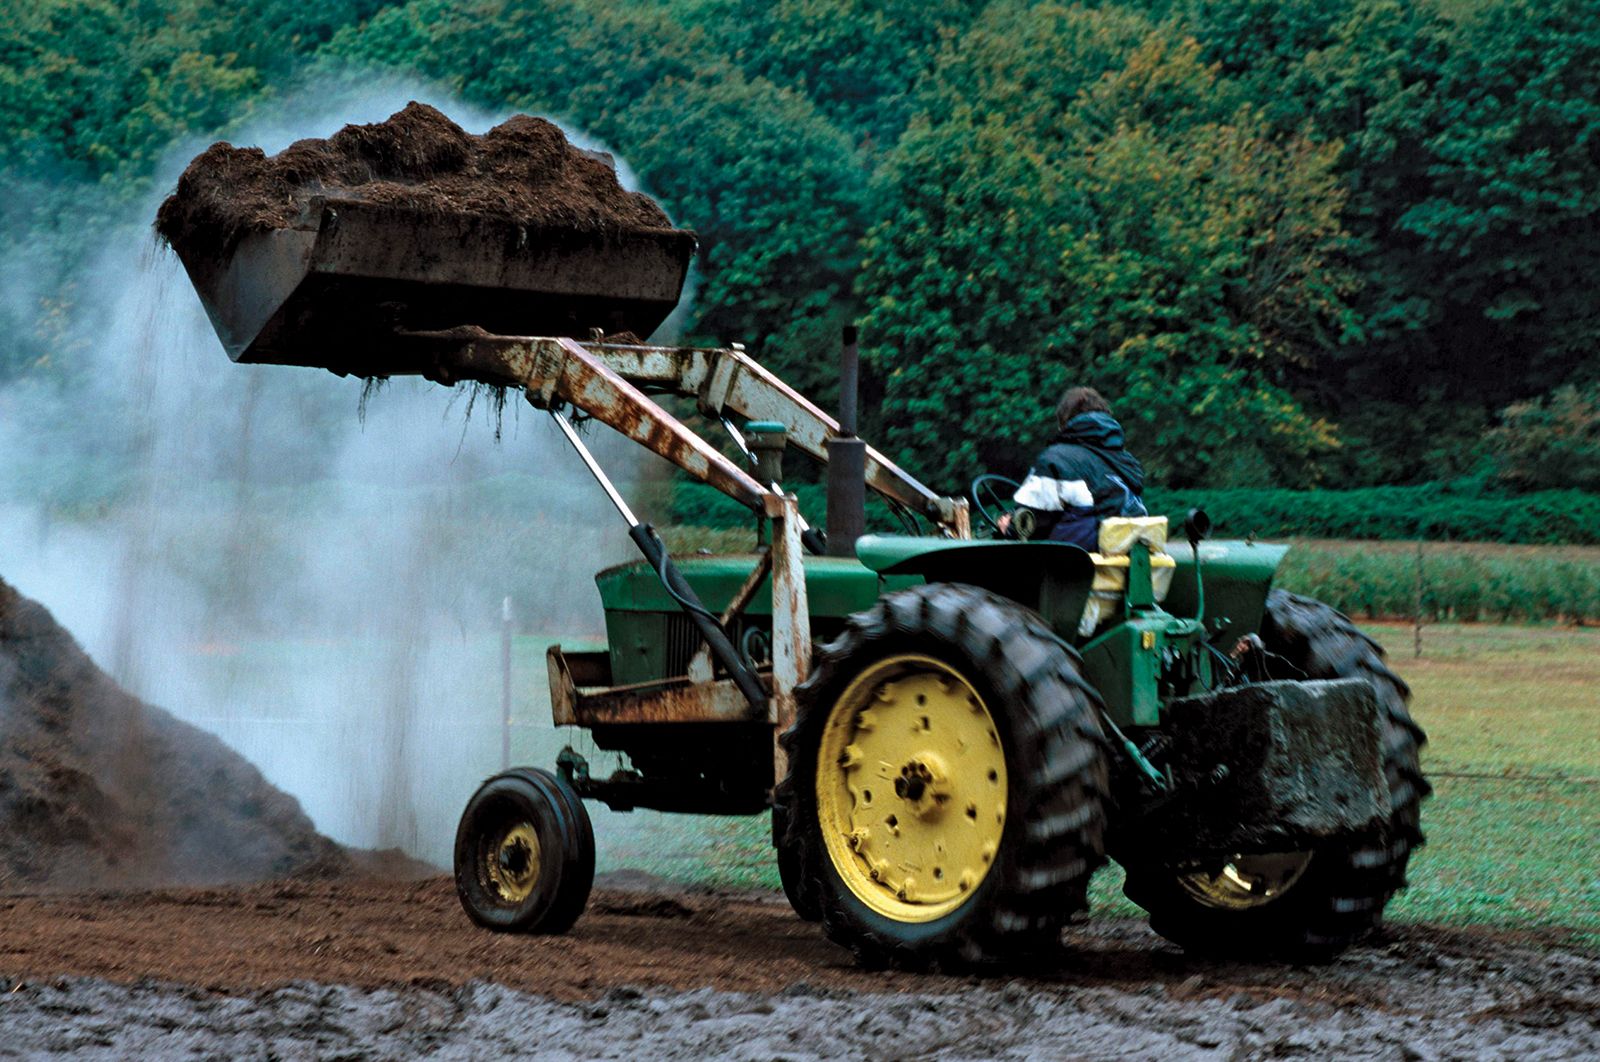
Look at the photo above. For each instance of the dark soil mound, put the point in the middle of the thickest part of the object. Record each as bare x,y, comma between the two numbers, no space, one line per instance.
100,790
523,170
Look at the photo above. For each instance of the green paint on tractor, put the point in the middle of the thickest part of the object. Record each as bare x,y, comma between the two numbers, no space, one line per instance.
649,638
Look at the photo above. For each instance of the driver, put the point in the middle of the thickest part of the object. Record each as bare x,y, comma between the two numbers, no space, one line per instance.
1082,477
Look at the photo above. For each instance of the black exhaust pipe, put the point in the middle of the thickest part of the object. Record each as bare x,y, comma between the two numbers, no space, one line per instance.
847,460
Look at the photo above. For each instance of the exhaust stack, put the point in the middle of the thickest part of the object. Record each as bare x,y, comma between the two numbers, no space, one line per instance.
847,460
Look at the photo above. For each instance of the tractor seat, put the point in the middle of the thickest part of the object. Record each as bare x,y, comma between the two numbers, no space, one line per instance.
1118,535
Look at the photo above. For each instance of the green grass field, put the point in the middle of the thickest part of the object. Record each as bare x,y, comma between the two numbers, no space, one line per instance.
1513,718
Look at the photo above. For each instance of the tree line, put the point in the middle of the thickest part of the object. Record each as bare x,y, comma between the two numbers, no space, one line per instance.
1299,242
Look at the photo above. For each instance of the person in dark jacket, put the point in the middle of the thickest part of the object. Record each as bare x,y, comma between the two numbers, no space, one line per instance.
1083,476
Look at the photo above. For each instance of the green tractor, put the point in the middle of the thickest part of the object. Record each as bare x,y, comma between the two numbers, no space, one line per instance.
950,733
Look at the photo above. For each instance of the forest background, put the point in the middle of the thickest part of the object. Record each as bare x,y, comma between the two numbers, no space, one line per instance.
1303,245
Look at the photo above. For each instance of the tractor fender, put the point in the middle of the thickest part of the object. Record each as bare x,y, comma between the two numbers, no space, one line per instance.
1052,578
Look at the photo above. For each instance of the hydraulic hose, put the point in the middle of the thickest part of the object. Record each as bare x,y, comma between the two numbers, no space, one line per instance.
722,647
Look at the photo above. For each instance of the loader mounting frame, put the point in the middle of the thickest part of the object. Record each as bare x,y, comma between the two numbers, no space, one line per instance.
614,384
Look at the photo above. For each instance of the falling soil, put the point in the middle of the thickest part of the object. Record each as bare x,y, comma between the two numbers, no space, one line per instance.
98,789
318,968
523,170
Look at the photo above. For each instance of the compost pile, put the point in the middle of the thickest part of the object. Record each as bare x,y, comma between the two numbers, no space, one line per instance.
523,170
100,790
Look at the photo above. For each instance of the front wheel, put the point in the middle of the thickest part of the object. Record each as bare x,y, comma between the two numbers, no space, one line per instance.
946,782
524,853
1308,904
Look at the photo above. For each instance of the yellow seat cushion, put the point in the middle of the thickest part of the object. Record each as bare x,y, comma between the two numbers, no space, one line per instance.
1118,536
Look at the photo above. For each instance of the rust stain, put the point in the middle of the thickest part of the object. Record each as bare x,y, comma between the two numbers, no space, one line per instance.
704,702
600,379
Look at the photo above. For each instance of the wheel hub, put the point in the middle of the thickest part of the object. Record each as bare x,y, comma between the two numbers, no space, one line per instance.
911,788
924,785
513,863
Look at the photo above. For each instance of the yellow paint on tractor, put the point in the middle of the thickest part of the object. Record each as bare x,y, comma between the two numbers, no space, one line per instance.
513,864
1248,881
911,788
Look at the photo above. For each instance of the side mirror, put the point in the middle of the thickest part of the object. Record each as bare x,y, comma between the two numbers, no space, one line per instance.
1196,526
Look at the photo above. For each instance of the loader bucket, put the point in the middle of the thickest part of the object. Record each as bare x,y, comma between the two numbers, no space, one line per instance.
336,290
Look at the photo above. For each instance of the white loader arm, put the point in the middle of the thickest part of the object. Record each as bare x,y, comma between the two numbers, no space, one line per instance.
611,382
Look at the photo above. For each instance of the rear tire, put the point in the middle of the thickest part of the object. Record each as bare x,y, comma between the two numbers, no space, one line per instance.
799,899
973,722
524,853
789,870
1337,895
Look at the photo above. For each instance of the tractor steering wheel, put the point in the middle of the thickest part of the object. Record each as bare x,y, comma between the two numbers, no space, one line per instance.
986,488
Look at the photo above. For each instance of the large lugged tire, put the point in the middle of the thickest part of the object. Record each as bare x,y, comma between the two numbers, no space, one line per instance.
524,853
789,870
1321,901
946,784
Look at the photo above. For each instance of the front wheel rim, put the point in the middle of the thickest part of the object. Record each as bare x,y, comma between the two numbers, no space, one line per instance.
511,863
911,788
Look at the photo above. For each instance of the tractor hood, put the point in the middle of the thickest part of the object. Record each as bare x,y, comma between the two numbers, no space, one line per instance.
1054,578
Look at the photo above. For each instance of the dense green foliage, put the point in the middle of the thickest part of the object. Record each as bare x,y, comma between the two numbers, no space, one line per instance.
1552,441
699,506
1333,243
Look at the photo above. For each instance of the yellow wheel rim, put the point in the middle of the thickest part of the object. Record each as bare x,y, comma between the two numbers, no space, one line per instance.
513,863
911,788
1248,880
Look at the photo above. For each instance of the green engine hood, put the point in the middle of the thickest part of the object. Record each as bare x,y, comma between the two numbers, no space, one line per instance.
1051,577
1054,578
835,586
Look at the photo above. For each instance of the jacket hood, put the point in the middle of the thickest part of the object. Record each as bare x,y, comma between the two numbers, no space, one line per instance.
1099,430
1101,433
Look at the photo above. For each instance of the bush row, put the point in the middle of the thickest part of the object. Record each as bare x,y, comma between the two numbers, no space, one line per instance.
1435,512
1477,585
697,505
1456,584
1432,511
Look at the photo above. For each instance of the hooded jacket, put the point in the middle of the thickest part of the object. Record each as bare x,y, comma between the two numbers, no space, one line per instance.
1081,478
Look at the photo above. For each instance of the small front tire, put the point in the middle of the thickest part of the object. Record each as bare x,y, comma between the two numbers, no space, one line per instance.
524,853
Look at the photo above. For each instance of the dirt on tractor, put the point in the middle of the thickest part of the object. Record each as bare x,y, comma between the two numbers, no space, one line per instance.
315,968
100,790
523,170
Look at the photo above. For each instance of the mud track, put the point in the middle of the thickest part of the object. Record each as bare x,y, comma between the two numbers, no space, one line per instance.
383,969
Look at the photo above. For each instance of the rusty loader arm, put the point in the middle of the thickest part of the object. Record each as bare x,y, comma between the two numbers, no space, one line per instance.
613,383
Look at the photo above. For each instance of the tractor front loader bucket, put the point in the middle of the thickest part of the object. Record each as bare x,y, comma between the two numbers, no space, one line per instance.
334,291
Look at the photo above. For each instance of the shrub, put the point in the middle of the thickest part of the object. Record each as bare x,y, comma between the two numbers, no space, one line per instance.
1464,584
1434,512
1552,441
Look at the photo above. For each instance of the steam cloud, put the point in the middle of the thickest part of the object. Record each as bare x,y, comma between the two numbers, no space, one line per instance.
233,544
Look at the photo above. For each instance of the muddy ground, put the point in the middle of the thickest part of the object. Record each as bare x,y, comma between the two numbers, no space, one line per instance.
384,969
